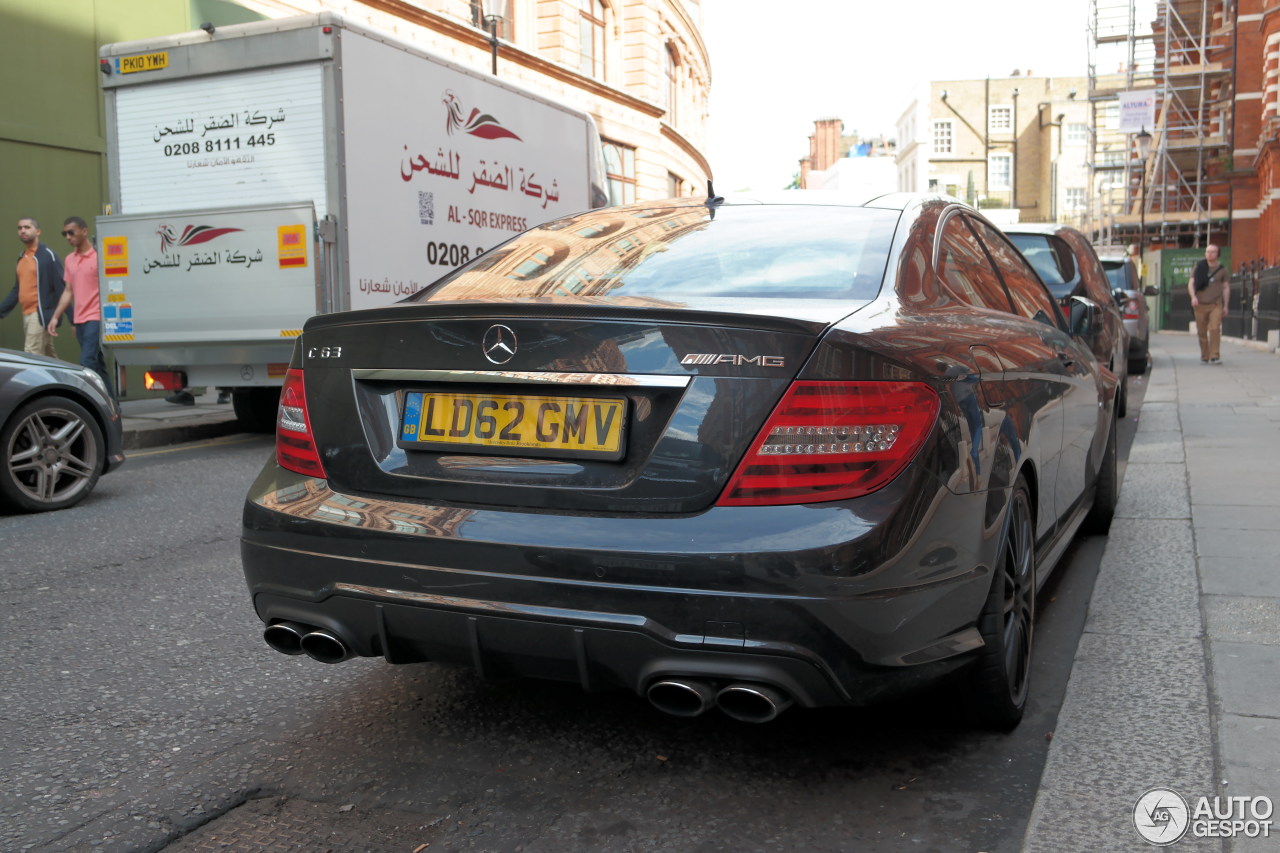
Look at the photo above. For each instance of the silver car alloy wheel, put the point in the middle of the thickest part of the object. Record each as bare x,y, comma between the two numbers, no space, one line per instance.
53,455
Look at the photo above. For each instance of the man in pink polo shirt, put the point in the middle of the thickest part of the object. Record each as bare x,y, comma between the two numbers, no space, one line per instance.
82,288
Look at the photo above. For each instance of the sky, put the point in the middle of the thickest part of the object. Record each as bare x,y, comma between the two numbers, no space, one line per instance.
777,65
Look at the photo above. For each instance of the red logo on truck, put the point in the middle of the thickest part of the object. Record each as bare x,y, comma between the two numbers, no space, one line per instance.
190,236
477,123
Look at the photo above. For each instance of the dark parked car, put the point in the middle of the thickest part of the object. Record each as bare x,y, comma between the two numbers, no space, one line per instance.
59,431
1129,292
720,453
1069,267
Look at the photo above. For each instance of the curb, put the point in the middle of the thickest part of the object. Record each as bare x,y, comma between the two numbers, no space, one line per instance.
157,436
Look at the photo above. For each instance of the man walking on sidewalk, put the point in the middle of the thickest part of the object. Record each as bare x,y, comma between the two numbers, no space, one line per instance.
82,289
37,287
1210,292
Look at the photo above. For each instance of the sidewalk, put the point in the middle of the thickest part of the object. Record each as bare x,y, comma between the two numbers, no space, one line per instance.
153,422
1175,683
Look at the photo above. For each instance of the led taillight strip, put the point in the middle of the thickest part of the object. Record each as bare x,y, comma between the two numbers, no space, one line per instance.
295,442
833,441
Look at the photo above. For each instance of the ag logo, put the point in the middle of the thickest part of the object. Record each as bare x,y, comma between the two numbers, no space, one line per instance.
1161,816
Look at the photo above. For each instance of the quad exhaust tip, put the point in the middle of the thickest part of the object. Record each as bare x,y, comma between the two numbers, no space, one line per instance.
285,637
745,701
752,703
293,638
681,697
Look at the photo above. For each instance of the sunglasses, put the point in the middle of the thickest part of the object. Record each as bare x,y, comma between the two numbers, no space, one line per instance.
68,233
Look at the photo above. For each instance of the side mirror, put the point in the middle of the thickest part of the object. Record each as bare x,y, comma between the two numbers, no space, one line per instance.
1150,290
1120,296
1084,317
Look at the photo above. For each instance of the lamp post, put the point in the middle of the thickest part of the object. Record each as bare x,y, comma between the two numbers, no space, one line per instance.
493,22
1143,140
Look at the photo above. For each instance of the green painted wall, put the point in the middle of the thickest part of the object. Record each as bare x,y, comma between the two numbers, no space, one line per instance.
52,148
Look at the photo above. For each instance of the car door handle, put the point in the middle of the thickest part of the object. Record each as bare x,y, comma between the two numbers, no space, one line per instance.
1067,360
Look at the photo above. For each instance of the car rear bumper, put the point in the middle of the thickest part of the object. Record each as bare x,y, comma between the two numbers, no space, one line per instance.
823,602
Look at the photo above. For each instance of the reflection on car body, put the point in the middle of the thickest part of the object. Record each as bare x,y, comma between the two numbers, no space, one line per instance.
874,511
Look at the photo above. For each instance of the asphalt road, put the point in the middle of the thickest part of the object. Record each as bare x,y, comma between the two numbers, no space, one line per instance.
143,712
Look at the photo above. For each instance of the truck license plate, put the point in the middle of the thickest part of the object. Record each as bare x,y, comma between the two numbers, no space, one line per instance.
515,425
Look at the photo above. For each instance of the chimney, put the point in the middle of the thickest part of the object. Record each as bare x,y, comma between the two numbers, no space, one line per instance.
806,166
824,145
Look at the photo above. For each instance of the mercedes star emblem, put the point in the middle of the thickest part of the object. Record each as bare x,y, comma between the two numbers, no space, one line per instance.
499,344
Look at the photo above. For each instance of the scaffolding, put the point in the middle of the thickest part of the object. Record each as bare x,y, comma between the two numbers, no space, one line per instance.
1181,50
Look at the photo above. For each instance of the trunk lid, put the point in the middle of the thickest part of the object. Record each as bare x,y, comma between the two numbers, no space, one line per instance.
557,405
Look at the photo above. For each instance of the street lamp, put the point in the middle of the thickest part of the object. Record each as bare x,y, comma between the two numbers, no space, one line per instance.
493,22
1143,139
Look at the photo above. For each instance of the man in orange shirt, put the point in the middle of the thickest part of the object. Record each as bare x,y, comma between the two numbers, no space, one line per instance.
37,286
82,289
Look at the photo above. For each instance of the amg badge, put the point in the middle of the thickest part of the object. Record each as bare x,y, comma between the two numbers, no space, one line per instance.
727,358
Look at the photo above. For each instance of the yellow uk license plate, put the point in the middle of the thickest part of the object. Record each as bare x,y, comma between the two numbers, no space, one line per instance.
515,424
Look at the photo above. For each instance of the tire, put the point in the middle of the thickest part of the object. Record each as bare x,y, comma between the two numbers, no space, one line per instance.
256,408
1122,398
53,453
1001,678
1107,491
1138,362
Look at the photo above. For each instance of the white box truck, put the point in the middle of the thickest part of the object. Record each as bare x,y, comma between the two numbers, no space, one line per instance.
262,173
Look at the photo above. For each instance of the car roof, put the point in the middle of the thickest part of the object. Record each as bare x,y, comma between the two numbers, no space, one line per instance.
1035,228
889,201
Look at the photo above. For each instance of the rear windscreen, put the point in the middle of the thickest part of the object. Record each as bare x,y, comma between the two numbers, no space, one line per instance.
1052,260
631,255
1118,274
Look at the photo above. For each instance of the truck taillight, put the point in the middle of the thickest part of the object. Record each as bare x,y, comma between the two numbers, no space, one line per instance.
295,443
164,380
829,441
1131,309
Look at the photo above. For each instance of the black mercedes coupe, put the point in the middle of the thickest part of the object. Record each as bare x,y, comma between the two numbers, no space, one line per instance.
737,453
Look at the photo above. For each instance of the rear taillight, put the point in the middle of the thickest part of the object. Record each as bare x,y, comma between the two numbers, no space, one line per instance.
295,443
1131,309
828,441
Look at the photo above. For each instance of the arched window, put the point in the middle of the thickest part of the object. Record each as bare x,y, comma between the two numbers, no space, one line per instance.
670,94
591,37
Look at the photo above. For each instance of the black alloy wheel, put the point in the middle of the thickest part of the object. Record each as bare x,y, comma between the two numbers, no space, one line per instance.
1002,676
53,455
1107,490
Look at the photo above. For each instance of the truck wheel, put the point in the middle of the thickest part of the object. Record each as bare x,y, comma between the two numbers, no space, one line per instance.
256,408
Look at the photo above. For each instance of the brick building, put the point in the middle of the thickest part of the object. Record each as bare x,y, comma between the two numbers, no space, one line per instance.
1213,171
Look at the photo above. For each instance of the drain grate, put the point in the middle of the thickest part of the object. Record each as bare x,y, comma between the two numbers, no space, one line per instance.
283,825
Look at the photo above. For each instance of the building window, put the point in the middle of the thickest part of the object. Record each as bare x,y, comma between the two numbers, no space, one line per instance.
1073,198
501,8
620,172
1111,115
675,186
1000,119
1112,167
942,136
591,37
1001,172
670,94
1077,133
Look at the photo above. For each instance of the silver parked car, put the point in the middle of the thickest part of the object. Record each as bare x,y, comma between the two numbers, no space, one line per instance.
1131,296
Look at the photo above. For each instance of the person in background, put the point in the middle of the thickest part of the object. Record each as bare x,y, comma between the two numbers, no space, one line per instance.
1210,291
81,278
37,287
